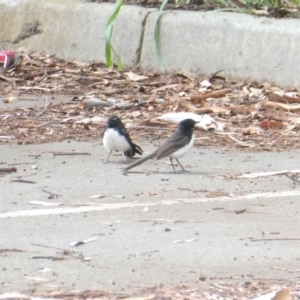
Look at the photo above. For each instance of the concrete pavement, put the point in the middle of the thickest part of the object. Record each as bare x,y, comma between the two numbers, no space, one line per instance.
243,46
152,226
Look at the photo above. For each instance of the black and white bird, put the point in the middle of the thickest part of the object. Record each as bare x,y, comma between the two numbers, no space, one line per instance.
176,146
116,137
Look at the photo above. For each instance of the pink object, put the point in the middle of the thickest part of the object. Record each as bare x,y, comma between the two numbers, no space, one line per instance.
7,58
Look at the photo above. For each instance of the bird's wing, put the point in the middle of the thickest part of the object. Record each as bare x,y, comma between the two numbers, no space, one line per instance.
134,148
172,144
123,130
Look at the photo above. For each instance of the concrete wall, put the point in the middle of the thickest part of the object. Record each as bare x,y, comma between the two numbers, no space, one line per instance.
244,46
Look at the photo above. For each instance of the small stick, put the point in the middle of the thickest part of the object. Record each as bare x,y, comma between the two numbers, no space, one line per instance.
52,195
71,153
278,239
22,180
42,257
24,163
8,169
194,191
293,177
47,103
42,78
56,248
241,143
13,250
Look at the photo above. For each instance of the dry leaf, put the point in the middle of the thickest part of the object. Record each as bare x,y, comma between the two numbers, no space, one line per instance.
292,97
204,120
96,196
287,107
184,241
205,83
95,120
251,130
135,77
270,124
284,294
78,243
214,94
95,102
275,97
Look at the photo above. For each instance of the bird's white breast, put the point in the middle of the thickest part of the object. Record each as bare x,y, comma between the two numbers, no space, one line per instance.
183,151
112,140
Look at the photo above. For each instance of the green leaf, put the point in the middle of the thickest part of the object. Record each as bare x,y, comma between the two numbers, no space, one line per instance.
235,9
108,35
156,36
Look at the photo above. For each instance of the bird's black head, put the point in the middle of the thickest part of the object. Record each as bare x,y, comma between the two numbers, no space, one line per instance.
114,121
187,124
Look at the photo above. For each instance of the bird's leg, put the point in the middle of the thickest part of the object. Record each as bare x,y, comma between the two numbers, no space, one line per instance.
108,157
180,165
171,160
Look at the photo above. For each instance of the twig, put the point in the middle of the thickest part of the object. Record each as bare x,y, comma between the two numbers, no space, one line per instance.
194,191
36,79
7,137
47,103
10,79
22,180
56,248
241,143
42,257
13,250
293,177
52,195
70,153
272,239
240,211
24,163
8,169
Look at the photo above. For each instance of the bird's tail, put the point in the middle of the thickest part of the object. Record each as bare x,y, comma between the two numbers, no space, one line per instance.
140,161
133,150
137,149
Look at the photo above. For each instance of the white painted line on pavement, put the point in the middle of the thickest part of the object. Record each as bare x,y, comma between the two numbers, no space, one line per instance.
115,206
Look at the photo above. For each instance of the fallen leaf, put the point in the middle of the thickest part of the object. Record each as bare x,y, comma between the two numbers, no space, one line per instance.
94,120
204,120
96,196
78,243
214,94
95,102
184,241
287,107
135,77
270,124
284,294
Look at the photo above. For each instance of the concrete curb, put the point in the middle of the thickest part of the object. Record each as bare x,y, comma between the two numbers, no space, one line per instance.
243,46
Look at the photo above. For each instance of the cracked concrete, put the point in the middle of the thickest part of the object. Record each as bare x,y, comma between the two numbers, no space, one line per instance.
28,30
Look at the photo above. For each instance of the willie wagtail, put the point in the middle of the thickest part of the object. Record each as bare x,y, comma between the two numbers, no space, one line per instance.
176,146
116,137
